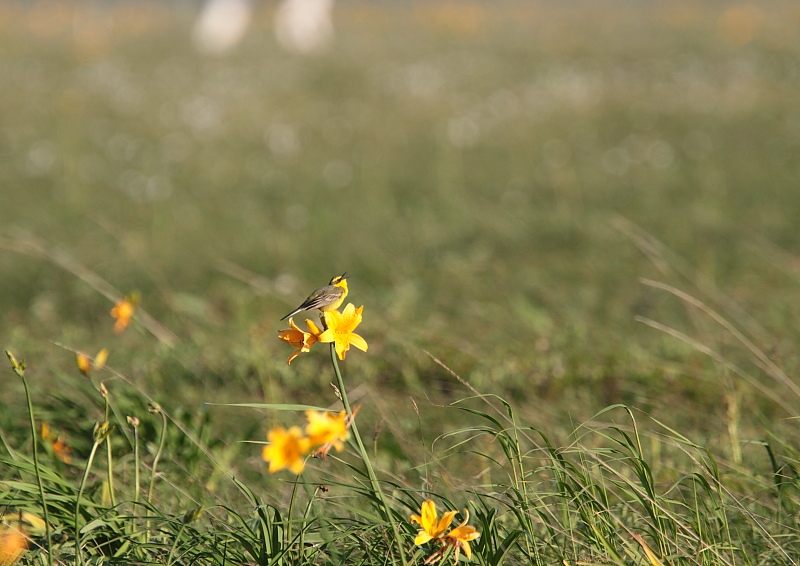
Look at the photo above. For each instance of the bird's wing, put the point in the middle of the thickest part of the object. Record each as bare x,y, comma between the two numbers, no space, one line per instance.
321,297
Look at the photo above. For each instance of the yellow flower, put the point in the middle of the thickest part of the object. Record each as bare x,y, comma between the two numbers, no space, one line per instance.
123,312
85,364
327,429
340,329
45,432
286,449
299,338
461,536
12,545
432,526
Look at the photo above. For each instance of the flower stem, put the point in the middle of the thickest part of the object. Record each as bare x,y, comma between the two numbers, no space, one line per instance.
157,457
373,478
135,467
155,464
110,462
78,556
38,474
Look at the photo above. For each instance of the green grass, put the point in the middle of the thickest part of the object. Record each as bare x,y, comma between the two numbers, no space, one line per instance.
573,230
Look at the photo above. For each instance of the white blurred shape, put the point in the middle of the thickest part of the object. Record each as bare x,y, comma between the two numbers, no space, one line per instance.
304,26
221,25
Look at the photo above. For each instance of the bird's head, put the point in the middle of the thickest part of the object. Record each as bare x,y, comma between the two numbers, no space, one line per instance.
339,280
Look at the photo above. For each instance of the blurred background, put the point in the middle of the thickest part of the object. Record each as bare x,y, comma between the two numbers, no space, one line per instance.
497,177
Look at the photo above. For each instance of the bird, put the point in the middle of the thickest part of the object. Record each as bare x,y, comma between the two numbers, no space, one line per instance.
326,298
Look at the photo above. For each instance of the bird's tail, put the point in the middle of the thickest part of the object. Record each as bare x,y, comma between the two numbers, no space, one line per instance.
294,312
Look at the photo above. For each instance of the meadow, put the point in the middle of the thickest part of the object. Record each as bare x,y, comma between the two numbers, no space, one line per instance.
573,229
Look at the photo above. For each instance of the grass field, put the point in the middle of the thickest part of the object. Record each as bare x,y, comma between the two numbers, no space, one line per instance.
573,230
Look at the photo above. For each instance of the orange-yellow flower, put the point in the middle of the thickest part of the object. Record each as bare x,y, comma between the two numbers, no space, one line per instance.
300,339
60,447
62,450
432,526
286,450
461,536
86,365
340,327
123,312
327,429
13,544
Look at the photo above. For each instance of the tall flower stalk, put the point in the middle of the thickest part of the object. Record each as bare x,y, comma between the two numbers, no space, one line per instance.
100,433
19,369
373,478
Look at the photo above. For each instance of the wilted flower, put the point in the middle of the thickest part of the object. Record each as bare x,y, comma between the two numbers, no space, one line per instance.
286,449
123,312
300,339
340,330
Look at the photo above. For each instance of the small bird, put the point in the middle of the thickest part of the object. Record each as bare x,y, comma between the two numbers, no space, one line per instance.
325,298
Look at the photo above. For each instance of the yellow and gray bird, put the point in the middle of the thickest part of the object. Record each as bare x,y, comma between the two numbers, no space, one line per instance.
326,298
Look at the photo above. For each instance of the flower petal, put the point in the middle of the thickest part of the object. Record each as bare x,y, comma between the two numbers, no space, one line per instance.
464,533
359,342
313,328
341,349
428,515
422,537
327,336
445,521
298,465
467,550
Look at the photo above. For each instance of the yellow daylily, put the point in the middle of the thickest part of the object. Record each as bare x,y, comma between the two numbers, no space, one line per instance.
123,312
432,526
461,536
327,429
286,450
85,364
340,327
299,338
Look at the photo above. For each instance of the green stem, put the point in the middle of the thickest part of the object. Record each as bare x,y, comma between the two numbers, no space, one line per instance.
38,474
78,556
154,471
110,464
373,478
135,467
158,456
